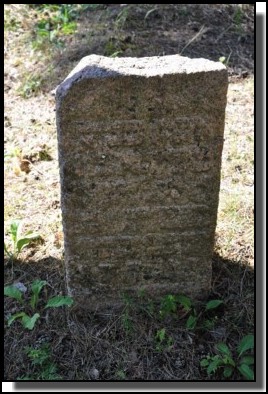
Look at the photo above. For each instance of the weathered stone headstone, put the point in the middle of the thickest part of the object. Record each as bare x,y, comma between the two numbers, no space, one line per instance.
140,142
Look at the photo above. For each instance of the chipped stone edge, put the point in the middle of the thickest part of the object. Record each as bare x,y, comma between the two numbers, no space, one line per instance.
102,67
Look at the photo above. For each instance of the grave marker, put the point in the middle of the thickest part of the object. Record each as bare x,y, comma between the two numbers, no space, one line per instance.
140,142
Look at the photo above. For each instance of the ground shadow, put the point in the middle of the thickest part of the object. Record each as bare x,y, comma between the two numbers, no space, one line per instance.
137,30
78,349
234,282
47,327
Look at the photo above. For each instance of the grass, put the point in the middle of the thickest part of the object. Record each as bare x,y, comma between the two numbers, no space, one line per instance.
43,29
236,214
43,368
148,339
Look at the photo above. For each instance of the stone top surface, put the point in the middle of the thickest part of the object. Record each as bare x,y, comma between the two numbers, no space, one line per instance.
95,66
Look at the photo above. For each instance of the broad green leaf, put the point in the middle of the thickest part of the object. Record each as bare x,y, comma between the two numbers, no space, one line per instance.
246,371
228,371
223,348
204,362
212,304
185,302
22,242
249,360
222,59
213,366
13,292
57,301
246,343
15,228
29,322
191,322
14,317
36,287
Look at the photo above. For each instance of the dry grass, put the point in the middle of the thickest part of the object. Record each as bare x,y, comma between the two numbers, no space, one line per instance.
235,236
123,345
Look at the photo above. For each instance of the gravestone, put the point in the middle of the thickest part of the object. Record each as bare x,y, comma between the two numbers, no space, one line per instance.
140,143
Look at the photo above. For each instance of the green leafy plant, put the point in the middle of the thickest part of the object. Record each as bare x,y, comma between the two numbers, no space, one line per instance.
169,305
42,365
56,20
163,341
36,287
19,240
30,86
28,320
194,317
226,363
